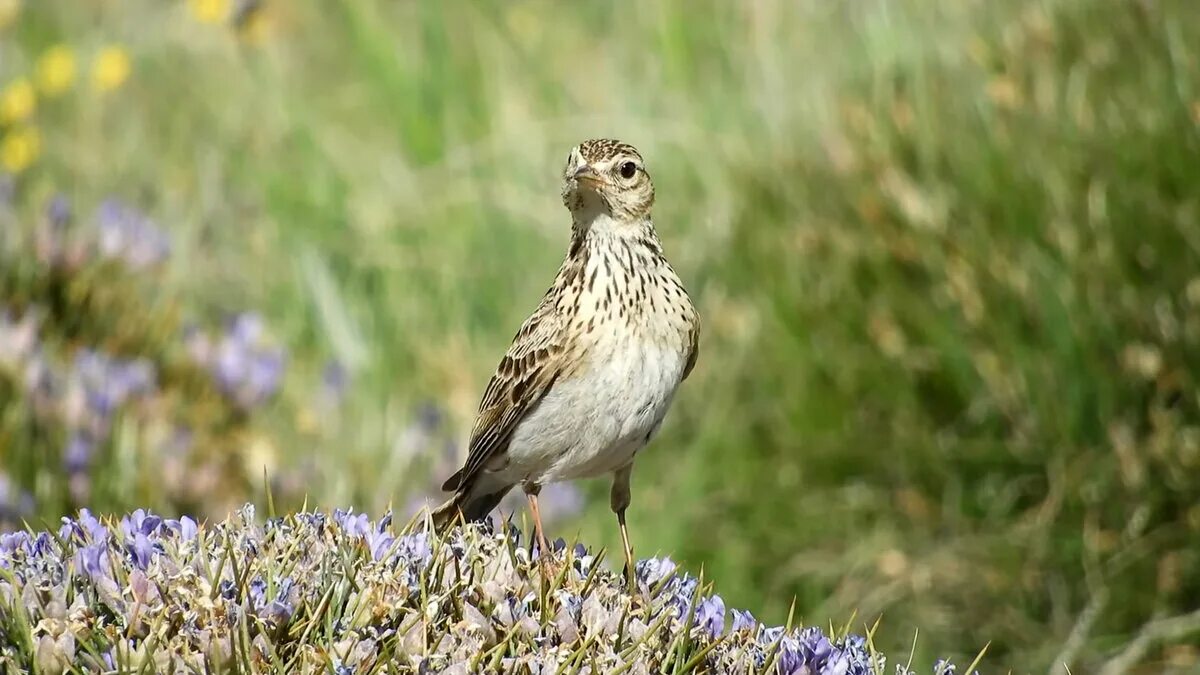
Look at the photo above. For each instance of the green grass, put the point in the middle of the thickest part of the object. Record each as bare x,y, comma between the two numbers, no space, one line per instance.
929,241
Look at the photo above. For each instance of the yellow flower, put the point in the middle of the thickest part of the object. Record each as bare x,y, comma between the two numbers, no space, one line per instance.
56,70
20,147
111,68
9,9
209,11
18,102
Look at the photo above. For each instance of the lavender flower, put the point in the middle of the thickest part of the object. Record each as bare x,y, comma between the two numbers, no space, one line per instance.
185,527
743,621
415,548
126,234
710,616
245,369
92,560
58,212
77,456
140,522
202,588
653,570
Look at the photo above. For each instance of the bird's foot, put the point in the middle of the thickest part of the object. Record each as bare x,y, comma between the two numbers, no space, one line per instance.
636,600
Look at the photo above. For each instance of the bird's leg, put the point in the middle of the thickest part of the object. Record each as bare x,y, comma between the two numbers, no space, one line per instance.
629,571
619,500
531,491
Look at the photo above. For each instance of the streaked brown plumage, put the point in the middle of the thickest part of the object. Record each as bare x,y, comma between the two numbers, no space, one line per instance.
591,373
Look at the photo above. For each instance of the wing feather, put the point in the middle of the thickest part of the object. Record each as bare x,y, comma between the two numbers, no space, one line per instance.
525,375
693,350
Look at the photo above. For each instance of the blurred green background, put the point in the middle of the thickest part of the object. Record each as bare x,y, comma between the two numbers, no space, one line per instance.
947,256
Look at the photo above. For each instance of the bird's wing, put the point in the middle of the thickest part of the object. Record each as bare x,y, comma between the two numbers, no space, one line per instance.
528,371
693,349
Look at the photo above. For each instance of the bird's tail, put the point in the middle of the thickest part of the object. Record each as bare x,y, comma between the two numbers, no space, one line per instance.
467,506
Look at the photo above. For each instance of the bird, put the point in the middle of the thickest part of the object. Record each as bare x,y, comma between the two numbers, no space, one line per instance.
592,372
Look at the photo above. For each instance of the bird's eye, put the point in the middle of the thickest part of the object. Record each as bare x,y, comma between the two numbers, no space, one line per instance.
628,170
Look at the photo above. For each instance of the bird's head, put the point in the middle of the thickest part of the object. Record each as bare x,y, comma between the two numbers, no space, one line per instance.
604,177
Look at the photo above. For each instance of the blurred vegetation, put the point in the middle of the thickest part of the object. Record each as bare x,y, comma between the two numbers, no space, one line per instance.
947,254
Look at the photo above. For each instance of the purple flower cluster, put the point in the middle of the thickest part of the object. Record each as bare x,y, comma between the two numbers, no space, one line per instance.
315,592
128,235
84,396
245,366
120,232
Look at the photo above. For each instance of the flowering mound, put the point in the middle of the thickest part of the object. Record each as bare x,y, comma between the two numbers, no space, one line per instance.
314,593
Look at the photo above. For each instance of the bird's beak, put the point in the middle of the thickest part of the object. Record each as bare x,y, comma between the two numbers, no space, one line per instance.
586,175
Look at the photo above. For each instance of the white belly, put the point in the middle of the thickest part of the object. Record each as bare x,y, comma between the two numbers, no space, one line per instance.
594,423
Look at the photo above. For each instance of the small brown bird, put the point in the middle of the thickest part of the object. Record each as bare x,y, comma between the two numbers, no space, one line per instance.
591,373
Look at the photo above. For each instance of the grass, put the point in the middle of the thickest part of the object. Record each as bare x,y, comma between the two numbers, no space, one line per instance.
946,256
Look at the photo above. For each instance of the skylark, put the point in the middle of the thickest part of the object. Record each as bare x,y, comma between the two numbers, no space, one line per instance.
591,373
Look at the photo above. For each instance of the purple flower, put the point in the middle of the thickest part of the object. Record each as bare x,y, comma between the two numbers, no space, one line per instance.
140,522
133,378
86,527
264,374
43,543
790,659
354,525
109,383
415,548
857,654
653,570
681,591
92,560
185,527
58,211
710,616
257,591
769,636
230,364
141,550
743,621
944,667
245,329
244,370
11,542
128,235
380,543
77,456
815,647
